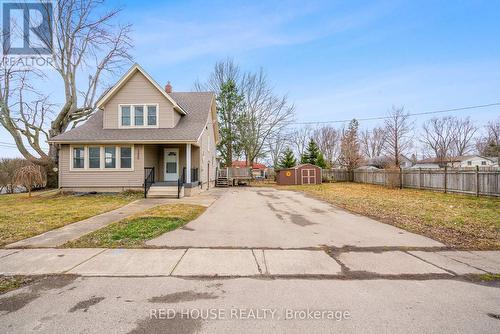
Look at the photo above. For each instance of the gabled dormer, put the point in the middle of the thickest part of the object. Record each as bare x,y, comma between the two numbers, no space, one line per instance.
137,101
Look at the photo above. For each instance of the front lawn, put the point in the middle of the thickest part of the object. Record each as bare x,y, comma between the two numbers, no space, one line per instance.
22,217
456,220
135,230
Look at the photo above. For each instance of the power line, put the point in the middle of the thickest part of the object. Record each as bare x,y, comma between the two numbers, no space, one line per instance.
414,114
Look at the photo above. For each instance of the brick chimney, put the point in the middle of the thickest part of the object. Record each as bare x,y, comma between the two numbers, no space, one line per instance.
168,87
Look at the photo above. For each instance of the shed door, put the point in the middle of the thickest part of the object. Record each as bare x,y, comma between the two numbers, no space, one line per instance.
308,176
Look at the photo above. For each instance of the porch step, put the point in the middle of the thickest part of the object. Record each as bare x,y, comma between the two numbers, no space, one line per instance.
222,182
164,191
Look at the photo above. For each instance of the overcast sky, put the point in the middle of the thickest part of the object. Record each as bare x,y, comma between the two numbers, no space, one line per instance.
334,59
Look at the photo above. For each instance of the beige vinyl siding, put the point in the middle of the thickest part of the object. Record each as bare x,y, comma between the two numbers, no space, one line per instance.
100,178
207,153
177,118
138,90
152,158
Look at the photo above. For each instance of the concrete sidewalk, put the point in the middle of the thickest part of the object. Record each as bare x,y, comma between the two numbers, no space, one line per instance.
207,262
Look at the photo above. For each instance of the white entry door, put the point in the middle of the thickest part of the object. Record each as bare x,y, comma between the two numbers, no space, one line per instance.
171,164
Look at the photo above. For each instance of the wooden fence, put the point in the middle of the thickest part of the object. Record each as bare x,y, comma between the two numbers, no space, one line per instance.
457,180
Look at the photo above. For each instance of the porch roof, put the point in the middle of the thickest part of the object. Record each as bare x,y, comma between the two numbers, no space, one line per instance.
197,105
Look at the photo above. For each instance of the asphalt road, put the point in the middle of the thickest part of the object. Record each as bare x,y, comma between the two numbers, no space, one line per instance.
245,305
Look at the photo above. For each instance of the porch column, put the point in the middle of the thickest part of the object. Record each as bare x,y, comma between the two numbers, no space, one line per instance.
188,163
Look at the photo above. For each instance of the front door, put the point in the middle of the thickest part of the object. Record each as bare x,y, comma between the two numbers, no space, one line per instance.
171,164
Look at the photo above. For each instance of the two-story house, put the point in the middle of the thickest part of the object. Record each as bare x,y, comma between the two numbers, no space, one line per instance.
142,131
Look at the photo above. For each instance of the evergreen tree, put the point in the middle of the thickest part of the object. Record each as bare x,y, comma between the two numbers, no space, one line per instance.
229,109
287,159
313,155
350,156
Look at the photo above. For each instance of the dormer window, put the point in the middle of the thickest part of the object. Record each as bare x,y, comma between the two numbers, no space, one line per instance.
152,115
138,116
125,115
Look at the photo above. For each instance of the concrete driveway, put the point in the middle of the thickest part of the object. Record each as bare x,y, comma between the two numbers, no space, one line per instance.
273,218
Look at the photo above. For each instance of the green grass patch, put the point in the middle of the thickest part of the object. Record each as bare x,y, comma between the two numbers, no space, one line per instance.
135,230
8,283
460,221
23,217
489,277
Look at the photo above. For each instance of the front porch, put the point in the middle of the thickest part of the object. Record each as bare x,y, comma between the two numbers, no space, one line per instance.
171,170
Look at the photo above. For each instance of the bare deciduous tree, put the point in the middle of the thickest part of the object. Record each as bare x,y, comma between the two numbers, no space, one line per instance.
372,142
438,137
489,144
448,136
224,71
300,137
464,132
276,146
398,134
265,115
327,139
85,40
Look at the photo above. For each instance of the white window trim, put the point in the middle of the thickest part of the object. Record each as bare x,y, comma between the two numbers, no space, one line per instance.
132,116
101,161
71,157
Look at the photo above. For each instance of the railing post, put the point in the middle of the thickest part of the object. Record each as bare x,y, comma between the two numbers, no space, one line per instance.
400,177
445,178
477,181
419,177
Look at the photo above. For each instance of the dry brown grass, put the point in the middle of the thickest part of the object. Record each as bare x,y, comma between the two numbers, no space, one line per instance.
22,217
459,221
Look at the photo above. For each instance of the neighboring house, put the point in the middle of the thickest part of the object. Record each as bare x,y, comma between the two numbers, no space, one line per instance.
368,167
458,162
141,128
386,162
259,171
477,160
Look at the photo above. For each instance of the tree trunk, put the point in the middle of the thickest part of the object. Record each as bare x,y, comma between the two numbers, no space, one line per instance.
52,176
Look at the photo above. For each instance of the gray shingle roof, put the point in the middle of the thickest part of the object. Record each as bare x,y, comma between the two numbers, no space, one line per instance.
196,104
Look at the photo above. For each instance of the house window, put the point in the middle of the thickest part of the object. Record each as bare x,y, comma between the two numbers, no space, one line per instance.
110,157
95,157
78,157
125,115
138,115
483,163
469,163
125,157
151,115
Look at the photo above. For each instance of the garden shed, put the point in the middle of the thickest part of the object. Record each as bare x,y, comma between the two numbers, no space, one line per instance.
301,174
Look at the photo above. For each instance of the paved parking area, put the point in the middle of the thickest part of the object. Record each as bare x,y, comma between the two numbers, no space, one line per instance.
273,218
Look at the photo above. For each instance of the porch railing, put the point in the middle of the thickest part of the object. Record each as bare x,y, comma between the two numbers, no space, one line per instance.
180,182
149,179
